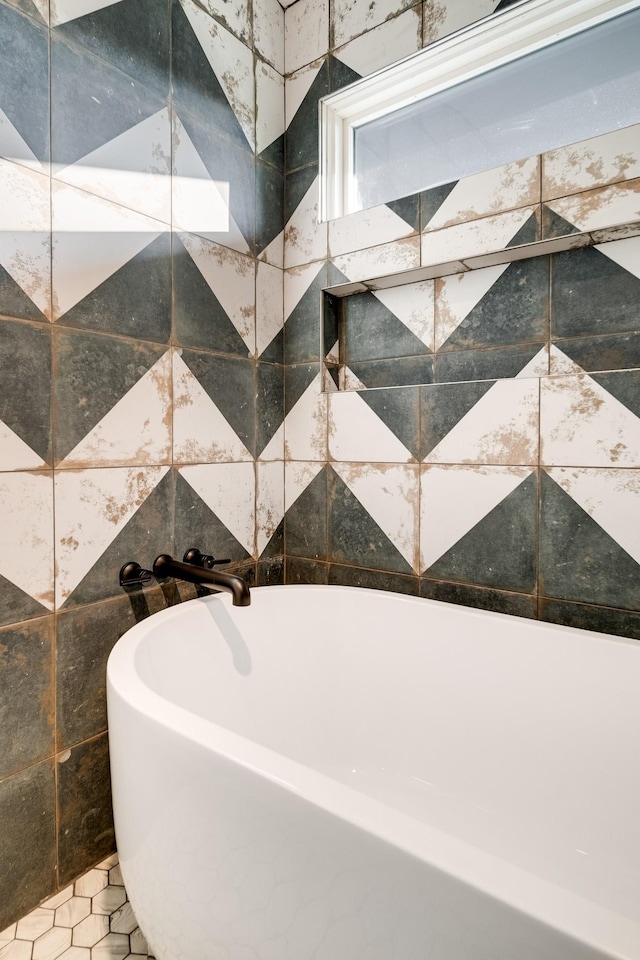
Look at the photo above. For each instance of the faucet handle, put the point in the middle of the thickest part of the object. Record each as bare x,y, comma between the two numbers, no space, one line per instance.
206,560
133,575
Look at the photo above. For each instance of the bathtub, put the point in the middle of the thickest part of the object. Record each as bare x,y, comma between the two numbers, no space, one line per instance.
345,774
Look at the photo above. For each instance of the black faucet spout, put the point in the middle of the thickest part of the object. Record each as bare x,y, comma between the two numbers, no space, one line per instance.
165,566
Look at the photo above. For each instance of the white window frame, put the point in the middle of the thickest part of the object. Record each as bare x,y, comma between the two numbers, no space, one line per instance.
468,53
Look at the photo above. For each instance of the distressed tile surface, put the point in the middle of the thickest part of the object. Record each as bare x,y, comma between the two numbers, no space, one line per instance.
591,163
26,694
352,18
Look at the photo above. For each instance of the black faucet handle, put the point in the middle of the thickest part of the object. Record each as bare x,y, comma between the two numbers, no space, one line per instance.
133,575
206,560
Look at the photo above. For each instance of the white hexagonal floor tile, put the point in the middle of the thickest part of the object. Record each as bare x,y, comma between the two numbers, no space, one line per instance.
90,919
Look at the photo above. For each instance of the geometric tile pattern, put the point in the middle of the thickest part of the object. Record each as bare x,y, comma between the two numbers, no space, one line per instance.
141,375
449,409
167,378
91,919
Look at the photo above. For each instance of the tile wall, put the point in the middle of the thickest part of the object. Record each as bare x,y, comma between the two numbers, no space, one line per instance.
473,438
141,255
158,178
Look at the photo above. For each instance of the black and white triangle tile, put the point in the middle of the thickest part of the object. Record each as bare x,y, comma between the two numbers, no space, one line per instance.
229,492
305,422
589,536
211,425
214,290
478,525
103,517
269,313
112,401
26,541
202,187
589,420
93,239
305,500
476,309
304,235
373,515
213,73
303,89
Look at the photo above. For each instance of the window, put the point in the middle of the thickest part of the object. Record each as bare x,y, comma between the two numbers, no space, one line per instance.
540,75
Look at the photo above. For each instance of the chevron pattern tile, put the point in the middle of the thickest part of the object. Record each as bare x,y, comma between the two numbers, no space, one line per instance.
169,378
467,400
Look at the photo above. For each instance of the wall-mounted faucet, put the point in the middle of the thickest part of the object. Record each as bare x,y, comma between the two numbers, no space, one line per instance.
196,567
197,570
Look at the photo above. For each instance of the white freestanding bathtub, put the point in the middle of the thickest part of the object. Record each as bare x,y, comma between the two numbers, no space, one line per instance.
343,774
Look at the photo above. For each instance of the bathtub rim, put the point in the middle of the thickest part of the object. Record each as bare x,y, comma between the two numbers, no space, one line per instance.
585,921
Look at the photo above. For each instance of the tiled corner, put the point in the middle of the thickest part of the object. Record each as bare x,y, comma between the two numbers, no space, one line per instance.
305,422
91,919
305,238
303,88
270,116
212,73
269,313
235,17
269,508
268,32
306,35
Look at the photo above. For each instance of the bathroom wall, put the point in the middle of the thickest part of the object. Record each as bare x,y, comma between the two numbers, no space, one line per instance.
509,479
143,358
141,251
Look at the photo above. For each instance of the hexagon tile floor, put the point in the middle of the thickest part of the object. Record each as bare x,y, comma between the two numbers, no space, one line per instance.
90,919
